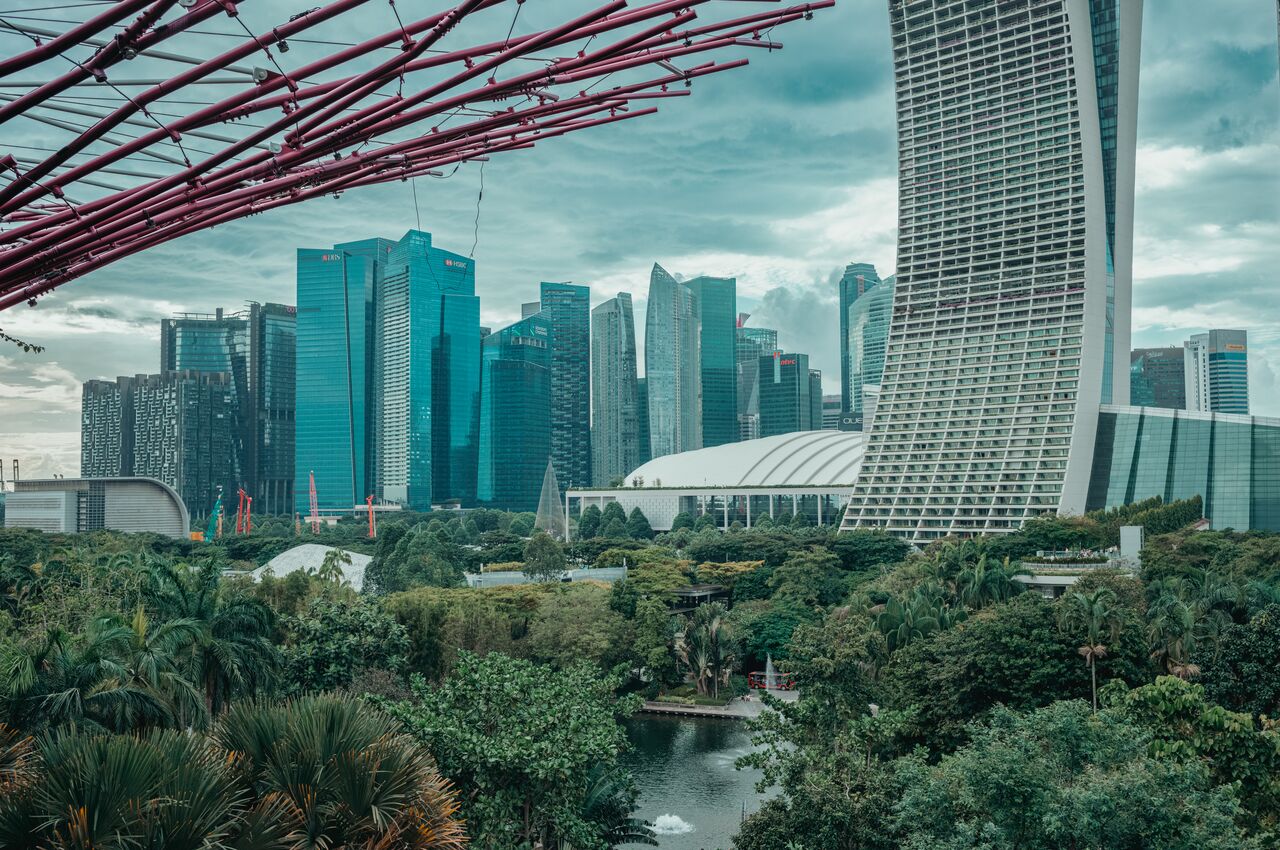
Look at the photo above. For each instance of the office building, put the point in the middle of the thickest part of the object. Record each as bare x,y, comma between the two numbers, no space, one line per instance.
672,369
1157,378
615,426
867,321
515,415
857,280
426,387
751,345
1216,367
106,429
645,447
257,348
567,308
815,399
334,383
832,407
786,387
717,300
78,505
1016,134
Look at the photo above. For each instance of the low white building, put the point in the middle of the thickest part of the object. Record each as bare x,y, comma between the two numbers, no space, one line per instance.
809,472
74,505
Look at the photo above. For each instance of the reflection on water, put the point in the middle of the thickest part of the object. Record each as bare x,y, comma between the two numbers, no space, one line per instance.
689,788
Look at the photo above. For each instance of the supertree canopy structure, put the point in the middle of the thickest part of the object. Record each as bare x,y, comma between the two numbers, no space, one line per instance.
128,123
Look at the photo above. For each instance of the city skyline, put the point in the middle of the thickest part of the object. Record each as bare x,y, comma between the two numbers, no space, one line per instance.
1205,219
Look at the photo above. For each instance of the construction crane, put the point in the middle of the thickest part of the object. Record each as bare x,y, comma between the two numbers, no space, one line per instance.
240,513
248,515
215,518
315,506
373,529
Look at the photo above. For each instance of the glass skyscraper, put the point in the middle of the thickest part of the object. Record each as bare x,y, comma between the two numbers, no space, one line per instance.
257,348
1157,378
672,369
615,427
867,335
1017,135
786,388
336,288
642,421
426,375
568,309
751,344
515,415
1216,366
857,280
717,300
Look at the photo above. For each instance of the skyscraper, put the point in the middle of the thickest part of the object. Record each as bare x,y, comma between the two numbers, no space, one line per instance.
1016,133
642,421
867,322
1217,371
426,375
815,400
335,335
257,348
615,426
672,369
751,345
1157,378
786,386
515,415
857,280
106,429
568,310
717,300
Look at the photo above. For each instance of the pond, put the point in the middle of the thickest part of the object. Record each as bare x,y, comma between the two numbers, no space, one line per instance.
689,788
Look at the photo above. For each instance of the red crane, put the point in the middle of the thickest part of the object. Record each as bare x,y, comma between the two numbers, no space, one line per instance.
248,514
373,529
315,506
240,513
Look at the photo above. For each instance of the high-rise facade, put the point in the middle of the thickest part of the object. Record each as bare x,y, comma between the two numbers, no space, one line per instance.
515,415
426,377
672,369
615,426
568,310
717,300
1216,366
645,444
1157,378
832,407
751,345
178,427
1016,133
857,280
815,399
335,335
866,339
786,388
257,348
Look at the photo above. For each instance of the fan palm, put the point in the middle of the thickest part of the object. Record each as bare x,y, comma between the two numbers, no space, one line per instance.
346,774
1097,615
984,584
610,804
706,648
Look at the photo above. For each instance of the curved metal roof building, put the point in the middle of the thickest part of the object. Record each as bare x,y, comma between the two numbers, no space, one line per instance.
798,459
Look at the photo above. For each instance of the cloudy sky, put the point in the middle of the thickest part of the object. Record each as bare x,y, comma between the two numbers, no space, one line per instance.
777,174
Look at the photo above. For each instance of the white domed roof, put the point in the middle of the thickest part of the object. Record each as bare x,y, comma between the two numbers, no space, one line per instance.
799,459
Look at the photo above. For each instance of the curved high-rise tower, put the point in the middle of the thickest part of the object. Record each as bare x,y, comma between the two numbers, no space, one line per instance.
1016,135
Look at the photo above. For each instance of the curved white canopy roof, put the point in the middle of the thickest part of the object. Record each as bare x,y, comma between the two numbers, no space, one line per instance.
802,458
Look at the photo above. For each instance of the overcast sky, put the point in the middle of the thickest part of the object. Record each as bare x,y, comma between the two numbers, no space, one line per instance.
777,174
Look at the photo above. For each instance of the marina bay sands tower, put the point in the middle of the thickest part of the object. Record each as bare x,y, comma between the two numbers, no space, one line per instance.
1011,315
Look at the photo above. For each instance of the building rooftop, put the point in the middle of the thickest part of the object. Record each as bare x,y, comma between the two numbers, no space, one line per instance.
801,458
309,557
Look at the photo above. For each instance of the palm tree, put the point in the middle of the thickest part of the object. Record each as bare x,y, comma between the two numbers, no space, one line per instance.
344,773
1100,618
610,804
1172,633
923,613
331,568
706,648
235,655
982,584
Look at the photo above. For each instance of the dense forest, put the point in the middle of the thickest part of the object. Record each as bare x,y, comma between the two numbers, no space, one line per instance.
152,694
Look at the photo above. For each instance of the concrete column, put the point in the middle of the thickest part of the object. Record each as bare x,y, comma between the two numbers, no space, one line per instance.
819,509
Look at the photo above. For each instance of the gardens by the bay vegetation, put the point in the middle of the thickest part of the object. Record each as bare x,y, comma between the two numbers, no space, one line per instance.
152,694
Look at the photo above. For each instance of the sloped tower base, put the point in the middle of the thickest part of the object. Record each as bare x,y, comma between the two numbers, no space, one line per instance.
550,512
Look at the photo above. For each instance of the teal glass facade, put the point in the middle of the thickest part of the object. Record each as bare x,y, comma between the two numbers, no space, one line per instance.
335,329
785,389
1232,462
426,375
750,345
857,280
671,366
515,415
568,310
867,322
615,433
717,300
1157,378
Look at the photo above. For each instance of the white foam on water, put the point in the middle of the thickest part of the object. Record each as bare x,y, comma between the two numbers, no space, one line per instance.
671,825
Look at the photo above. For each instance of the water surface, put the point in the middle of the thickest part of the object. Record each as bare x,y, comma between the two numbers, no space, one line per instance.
688,785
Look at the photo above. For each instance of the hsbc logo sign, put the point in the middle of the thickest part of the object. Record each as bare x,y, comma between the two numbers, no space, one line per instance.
455,264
